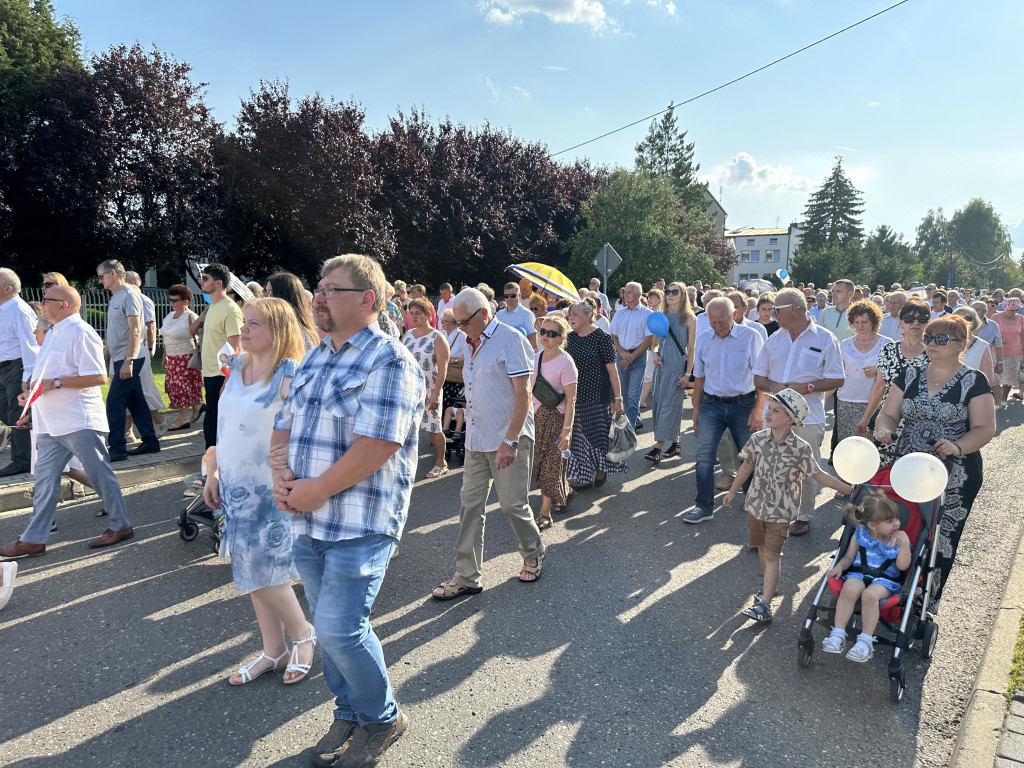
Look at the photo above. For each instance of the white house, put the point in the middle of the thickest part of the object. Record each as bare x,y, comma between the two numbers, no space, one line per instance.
762,251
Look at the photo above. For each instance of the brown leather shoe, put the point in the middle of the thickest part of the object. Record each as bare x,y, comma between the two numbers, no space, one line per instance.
111,537
799,528
22,549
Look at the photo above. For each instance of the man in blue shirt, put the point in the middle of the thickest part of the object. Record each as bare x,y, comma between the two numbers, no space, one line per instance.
516,315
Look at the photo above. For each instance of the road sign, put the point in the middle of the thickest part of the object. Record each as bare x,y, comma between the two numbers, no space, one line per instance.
606,261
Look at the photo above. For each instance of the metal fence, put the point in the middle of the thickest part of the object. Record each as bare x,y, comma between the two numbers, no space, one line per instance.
95,303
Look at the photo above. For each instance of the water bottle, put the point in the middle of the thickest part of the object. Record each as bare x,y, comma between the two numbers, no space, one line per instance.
566,453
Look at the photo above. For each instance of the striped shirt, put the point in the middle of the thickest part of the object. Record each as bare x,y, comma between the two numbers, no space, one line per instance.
502,354
369,387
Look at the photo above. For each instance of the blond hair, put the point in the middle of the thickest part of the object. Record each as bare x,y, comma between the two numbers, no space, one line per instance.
278,318
365,274
559,322
876,508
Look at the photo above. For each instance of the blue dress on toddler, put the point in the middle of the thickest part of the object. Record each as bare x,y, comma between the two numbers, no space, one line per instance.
877,553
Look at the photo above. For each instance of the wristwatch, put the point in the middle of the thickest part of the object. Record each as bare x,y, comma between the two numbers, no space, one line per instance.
57,384
513,444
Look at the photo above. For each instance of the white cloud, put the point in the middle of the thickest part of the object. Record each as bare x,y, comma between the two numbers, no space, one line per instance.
874,104
590,13
669,7
845,149
556,68
743,171
500,93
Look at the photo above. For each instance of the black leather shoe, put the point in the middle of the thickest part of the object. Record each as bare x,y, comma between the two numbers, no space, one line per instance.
144,448
118,457
13,469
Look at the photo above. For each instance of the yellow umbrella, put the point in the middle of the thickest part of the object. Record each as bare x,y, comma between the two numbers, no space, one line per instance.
547,279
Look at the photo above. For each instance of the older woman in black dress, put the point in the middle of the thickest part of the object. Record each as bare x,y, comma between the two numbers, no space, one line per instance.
947,411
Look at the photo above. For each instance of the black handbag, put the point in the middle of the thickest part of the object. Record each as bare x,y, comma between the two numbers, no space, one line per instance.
548,396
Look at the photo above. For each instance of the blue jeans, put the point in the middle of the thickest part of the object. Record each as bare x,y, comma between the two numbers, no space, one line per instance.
52,455
632,381
715,418
341,580
127,393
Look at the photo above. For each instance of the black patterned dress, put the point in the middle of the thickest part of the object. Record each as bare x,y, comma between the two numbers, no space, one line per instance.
927,419
891,365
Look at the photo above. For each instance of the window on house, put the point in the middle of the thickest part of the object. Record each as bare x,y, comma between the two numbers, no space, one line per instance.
748,276
755,255
750,241
773,241
744,255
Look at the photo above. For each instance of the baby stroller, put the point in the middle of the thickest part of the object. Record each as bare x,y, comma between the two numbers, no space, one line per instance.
904,614
455,439
197,513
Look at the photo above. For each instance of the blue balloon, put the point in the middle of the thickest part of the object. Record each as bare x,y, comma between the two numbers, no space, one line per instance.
522,331
206,298
783,274
657,323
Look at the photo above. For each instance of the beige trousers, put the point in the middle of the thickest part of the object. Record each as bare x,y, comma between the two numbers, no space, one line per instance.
513,487
813,434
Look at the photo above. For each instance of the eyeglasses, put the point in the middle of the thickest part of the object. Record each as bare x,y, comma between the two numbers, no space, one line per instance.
920,319
536,310
328,293
777,307
465,322
49,285
550,333
672,291
60,301
941,339
175,299
511,295
993,303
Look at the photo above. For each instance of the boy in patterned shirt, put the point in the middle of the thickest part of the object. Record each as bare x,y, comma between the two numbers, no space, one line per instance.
778,459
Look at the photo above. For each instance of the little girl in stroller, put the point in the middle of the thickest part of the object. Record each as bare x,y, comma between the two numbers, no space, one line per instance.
878,552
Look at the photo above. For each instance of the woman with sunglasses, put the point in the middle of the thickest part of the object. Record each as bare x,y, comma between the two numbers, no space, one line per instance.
674,362
947,410
553,425
1011,328
895,357
184,385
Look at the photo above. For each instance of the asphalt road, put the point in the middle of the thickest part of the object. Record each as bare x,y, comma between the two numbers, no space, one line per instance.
628,652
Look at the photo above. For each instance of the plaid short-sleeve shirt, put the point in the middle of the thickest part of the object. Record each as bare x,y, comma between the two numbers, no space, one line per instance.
371,387
779,468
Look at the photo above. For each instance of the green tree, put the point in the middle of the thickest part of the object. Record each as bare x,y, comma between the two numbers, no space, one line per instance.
981,240
828,263
664,152
641,217
833,213
933,246
888,259
33,46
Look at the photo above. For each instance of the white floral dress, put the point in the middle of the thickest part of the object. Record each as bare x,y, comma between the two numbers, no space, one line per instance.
423,351
257,535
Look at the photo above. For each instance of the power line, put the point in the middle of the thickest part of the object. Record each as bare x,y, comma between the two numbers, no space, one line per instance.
734,80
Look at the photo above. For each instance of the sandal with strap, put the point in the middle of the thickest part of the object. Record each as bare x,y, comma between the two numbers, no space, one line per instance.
561,508
451,590
653,455
437,471
533,570
246,671
673,450
544,522
862,650
834,643
293,662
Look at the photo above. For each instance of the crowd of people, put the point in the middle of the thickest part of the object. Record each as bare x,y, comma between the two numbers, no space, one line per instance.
314,401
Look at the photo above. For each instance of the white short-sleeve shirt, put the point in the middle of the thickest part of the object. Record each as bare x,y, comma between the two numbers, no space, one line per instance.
813,355
71,348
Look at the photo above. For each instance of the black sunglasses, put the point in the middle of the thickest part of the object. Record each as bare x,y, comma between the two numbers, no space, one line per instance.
511,295
672,291
941,339
547,332
465,322
922,319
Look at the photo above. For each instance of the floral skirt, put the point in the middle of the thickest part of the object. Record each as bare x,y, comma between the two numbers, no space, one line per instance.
184,385
548,464
847,416
1010,377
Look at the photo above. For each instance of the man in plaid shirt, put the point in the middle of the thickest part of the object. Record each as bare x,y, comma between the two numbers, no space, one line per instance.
350,423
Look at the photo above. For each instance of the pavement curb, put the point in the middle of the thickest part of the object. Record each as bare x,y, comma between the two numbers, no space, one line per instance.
982,727
19,495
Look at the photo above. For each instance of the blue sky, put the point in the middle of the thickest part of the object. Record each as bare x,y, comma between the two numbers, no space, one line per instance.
923,102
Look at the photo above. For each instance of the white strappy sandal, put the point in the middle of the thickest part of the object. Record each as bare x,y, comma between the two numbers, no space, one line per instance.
293,662
246,671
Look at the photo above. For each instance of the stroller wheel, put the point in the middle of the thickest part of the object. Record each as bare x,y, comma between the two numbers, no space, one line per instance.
189,531
928,638
804,652
897,687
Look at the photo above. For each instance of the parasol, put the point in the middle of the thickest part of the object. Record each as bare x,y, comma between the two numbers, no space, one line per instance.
546,278
761,286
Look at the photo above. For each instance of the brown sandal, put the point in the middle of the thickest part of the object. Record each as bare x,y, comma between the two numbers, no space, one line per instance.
531,570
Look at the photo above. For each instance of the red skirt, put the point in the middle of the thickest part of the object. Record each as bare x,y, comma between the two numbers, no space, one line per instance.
184,385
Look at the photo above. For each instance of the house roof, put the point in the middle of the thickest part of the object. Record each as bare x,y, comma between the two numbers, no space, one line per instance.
754,231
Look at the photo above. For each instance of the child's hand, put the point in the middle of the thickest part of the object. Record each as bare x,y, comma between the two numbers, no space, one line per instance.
727,501
834,572
847,489
902,540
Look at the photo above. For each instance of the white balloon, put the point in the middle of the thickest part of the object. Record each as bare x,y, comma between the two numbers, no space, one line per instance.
919,477
855,459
